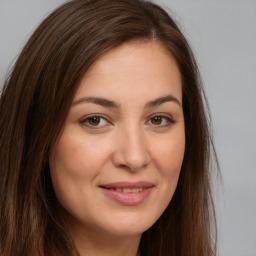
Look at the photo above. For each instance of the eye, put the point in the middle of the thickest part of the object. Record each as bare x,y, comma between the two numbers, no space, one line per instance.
94,121
161,120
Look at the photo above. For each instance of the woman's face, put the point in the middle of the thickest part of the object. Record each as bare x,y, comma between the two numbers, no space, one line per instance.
116,165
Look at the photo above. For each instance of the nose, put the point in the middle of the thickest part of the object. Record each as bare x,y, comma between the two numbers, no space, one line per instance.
131,150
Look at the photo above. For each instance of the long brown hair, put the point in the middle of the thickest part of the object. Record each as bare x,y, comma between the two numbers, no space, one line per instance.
33,107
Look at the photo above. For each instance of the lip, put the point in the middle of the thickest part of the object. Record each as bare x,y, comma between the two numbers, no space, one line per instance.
126,184
130,198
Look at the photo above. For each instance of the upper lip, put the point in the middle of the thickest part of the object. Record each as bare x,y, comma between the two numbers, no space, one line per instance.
126,184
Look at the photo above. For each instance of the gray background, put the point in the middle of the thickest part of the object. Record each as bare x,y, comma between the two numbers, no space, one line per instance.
223,36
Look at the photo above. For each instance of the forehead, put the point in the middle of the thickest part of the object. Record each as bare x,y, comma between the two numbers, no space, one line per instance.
134,68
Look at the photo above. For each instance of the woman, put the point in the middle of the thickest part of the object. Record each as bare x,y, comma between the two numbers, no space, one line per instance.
104,138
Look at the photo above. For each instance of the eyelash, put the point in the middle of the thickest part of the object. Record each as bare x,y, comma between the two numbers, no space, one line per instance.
85,121
167,118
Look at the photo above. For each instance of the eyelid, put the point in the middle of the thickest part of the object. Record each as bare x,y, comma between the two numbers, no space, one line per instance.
168,117
83,120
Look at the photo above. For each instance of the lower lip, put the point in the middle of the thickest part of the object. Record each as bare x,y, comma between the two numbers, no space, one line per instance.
133,198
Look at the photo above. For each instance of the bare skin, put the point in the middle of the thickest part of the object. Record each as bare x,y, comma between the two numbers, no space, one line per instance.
125,125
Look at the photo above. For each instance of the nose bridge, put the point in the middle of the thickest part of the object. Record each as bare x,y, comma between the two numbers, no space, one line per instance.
132,151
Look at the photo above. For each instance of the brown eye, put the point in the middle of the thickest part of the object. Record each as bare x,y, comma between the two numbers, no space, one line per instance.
94,121
160,121
156,120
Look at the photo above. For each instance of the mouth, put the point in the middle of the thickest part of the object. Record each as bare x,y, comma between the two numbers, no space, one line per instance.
128,193
127,190
128,187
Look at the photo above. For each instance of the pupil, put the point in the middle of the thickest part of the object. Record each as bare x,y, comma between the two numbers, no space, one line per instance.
94,120
157,120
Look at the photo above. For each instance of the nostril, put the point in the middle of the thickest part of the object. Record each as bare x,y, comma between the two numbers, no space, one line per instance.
131,153
123,166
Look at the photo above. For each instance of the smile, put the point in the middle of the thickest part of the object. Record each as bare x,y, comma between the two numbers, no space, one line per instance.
129,190
127,193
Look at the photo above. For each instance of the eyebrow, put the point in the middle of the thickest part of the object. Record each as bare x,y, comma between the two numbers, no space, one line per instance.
97,100
162,100
112,104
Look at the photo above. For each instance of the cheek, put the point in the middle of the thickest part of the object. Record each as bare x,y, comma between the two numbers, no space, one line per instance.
75,163
168,154
78,157
168,157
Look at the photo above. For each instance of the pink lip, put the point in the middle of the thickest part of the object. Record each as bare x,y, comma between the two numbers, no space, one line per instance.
125,184
132,198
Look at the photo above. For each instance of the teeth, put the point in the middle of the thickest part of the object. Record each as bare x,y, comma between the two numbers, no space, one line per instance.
137,189
129,190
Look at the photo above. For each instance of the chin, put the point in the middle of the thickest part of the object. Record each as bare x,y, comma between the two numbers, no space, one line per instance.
128,226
